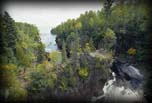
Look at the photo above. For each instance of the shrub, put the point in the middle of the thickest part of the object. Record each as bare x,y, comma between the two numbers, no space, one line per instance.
83,72
55,57
42,78
11,84
109,38
17,93
132,51
109,34
87,48
39,81
63,84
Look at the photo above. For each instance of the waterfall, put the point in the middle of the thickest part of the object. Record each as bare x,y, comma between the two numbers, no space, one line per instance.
112,91
49,41
125,93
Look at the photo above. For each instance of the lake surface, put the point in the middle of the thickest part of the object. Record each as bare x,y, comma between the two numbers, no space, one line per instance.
49,41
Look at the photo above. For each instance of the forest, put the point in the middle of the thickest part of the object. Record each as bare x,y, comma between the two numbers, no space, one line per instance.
90,48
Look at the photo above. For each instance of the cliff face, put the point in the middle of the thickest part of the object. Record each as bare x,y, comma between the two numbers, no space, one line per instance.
85,86
58,42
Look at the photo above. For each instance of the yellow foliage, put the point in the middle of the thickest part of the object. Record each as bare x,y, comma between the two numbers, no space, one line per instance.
40,67
87,47
47,64
109,34
11,84
83,72
131,51
78,25
55,57
8,67
24,45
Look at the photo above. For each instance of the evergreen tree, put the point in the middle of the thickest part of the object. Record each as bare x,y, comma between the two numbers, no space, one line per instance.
64,54
107,6
75,54
8,39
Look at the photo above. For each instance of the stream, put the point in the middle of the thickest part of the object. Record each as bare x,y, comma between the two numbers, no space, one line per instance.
121,89
121,93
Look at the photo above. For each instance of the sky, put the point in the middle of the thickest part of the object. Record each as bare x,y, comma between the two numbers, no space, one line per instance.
48,15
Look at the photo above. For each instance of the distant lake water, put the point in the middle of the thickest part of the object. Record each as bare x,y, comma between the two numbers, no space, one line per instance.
49,41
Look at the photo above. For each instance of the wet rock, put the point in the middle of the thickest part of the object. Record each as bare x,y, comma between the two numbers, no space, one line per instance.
127,72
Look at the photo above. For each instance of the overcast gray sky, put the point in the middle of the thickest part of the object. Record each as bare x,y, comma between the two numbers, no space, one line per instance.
48,15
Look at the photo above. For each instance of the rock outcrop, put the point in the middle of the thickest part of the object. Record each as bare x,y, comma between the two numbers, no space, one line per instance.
125,85
99,71
127,72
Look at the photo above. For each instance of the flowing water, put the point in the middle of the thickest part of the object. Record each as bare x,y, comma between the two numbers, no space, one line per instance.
126,92
119,93
49,41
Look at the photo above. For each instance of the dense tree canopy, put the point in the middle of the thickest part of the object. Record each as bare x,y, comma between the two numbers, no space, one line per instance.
19,46
121,27
87,46
126,20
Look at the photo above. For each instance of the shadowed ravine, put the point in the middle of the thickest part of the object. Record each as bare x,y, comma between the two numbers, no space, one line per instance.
77,55
123,85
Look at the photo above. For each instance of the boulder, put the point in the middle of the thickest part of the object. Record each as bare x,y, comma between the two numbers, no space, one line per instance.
127,72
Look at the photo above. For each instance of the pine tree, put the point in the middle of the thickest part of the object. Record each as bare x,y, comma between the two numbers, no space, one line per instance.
75,55
8,39
107,6
64,54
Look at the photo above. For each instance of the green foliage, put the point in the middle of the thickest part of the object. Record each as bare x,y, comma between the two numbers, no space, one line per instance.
44,66
37,82
43,77
110,28
78,25
109,34
107,6
74,53
89,47
90,30
130,24
8,39
64,53
10,84
67,78
17,94
55,57
23,59
63,84
40,52
66,82
19,44
7,56
109,38
29,44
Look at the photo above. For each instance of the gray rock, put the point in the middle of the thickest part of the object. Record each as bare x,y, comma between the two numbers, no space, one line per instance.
127,72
